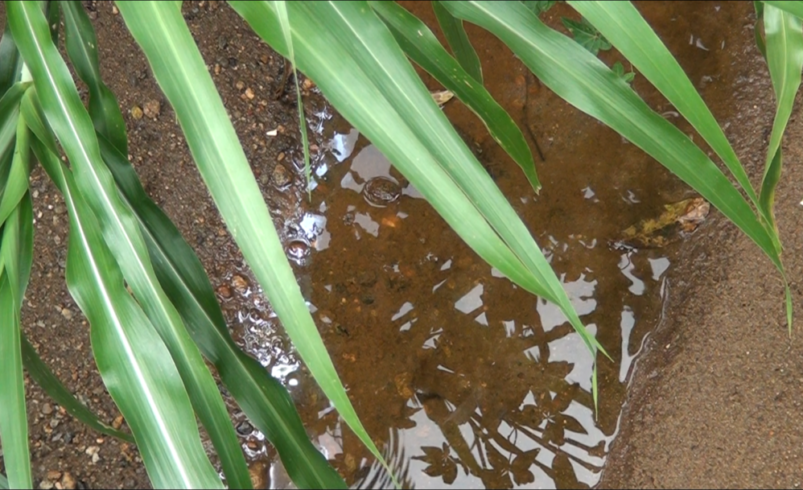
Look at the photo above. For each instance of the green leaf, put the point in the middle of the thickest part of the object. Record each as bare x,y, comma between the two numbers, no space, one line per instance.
364,74
585,82
180,71
176,455
16,253
9,113
586,35
784,43
759,8
10,62
538,7
16,182
794,8
629,33
49,382
263,399
619,69
458,41
82,49
123,234
284,22
136,367
53,18
3,482
421,45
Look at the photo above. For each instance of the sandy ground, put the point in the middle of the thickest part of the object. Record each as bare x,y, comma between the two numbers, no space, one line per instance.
716,400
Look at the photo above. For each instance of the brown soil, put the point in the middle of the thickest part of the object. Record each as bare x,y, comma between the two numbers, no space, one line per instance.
716,400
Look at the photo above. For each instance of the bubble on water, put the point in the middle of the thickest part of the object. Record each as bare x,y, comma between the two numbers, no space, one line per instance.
381,191
298,251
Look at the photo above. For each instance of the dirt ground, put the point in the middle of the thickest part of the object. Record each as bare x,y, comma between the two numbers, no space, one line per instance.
714,402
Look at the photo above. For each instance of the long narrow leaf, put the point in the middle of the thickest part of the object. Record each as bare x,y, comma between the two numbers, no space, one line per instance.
180,71
263,399
82,49
51,384
363,72
627,31
421,45
73,127
10,63
16,184
784,44
585,82
16,254
9,112
458,40
132,359
793,7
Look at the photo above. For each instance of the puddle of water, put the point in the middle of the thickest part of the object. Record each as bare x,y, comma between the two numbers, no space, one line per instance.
463,378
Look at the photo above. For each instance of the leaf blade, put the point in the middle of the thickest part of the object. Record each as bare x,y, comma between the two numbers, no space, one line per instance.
420,44
458,40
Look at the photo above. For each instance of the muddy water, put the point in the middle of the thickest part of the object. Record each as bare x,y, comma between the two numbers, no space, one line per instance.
461,377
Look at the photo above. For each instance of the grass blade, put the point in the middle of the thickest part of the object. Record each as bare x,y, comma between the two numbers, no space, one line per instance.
132,359
263,399
49,382
180,71
82,49
585,82
421,45
784,44
16,183
627,31
73,127
284,22
458,40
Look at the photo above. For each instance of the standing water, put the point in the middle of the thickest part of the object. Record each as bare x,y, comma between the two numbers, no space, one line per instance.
461,377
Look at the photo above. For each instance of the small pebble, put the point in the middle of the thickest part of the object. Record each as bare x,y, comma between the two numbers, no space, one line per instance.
152,109
224,292
47,409
239,85
280,176
117,422
46,485
240,284
249,93
53,475
136,112
67,481
244,428
66,313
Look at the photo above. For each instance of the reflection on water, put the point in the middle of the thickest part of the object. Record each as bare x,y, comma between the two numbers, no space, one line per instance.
461,377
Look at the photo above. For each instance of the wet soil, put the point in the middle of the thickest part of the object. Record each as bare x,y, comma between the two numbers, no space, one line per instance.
461,377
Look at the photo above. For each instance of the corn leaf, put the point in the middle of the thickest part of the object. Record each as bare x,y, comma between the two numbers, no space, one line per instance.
784,45
50,383
421,45
585,82
16,255
82,49
458,40
629,33
10,62
263,399
180,71
795,8
136,367
186,463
